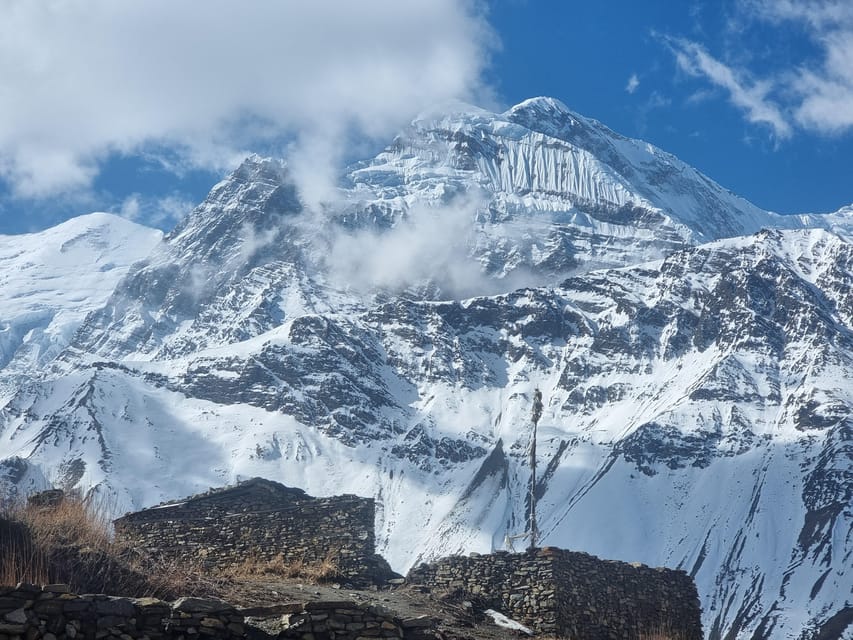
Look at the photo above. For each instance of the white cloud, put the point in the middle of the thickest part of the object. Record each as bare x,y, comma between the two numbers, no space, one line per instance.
819,14
752,96
814,93
431,244
633,83
825,91
83,79
131,207
439,246
162,211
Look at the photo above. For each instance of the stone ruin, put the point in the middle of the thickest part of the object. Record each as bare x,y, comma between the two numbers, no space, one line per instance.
571,594
262,520
553,591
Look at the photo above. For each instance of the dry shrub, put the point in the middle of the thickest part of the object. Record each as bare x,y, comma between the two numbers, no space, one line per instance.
71,543
72,522
664,632
20,560
316,572
657,634
169,577
36,541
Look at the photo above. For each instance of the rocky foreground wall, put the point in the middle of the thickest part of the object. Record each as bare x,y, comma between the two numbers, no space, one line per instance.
29,612
573,594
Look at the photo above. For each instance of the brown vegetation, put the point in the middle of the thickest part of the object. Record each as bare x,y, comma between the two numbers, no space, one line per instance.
326,570
71,543
662,633
36,541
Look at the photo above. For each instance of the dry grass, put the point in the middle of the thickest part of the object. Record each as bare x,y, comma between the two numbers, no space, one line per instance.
20,561
71,543
325,570
32,537
74,521
662,633
170,577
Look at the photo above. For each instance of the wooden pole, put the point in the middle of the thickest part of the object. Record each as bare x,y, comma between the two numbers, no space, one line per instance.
537,413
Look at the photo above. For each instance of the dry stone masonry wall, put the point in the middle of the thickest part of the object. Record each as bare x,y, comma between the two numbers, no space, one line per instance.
29,612
574,595
337,619
262,520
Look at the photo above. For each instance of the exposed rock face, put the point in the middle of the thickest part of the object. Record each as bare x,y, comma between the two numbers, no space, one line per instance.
697,411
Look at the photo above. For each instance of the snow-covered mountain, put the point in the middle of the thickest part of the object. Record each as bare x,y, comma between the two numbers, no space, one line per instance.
557,192
695,354
50,281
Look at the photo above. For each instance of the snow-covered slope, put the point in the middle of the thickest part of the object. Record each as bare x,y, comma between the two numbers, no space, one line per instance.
839,222
49,281
698,397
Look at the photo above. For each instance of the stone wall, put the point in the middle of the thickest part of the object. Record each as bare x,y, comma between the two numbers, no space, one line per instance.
338,619
52,613
574,595
261,520
28,612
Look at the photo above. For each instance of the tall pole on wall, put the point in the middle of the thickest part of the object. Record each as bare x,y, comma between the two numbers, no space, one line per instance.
537,413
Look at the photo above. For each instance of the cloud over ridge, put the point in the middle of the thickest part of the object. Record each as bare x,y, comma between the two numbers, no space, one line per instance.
84,79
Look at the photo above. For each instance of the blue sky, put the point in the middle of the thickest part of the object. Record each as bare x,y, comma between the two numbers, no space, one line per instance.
140,107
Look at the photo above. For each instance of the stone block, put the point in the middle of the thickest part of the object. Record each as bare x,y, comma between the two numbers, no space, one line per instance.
201,605
115,607
18,616
25,588
321,605
419,622
48,607
11,629
212,623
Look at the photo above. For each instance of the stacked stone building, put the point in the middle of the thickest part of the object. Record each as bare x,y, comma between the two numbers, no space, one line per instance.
262,520
573,595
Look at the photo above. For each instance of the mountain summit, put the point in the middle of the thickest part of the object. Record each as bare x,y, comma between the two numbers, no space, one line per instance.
693,351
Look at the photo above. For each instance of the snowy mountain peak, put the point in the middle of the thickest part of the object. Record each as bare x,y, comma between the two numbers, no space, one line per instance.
258,166
97,219
543,114
553,193
845,211
242,212
259,186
